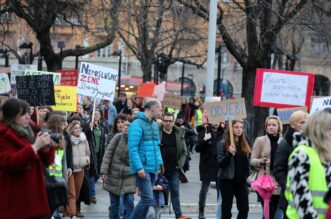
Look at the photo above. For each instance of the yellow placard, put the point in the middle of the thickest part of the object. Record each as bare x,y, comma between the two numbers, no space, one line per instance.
65,98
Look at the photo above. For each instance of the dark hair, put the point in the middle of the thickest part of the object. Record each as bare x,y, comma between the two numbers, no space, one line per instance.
168,114
75,118
120,116
14,107
151,103
97,109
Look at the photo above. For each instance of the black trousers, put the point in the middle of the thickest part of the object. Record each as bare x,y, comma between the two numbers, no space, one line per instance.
229,190
273,204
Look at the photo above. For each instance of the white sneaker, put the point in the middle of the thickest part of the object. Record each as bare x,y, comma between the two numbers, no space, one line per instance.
74,217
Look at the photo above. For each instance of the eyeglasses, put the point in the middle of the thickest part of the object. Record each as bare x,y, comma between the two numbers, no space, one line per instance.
168,121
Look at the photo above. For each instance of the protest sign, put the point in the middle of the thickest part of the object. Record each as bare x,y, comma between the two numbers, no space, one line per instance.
160,90
283,89
69,77
4,83
146,90
18,70
56,76
226,110
65,98
285,113
97,81
320,104
37,90
171,100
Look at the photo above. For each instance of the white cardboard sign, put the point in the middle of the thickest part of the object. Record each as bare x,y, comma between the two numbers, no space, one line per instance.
97,81
4,83
18,70
320,104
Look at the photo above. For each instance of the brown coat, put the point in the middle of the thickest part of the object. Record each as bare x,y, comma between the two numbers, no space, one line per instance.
262,150
115,165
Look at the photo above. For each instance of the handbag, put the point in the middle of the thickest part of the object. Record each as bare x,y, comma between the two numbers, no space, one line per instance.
56,190
252,177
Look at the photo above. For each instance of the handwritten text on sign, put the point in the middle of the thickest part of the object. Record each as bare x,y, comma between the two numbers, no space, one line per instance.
171,100
4,83
284,88
285,113
320,104
226,110
37,90
97,81
69,77
18,70
65,98
56,76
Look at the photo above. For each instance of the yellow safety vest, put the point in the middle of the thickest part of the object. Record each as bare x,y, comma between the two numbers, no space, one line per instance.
317,184
198,118
56,168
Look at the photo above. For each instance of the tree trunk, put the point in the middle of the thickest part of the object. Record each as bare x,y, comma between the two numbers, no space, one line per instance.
146,68
255,115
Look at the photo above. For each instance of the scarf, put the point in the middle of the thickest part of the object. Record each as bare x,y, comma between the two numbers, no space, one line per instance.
75,140
274,145
23,131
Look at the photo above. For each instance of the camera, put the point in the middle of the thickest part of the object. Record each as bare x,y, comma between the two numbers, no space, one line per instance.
54,136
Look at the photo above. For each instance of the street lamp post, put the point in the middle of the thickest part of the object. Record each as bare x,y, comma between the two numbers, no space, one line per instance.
218,82
77,56
61,45
119,54
182,82
40,61
6,56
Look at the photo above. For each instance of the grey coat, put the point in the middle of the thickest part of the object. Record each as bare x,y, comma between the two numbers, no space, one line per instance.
115,165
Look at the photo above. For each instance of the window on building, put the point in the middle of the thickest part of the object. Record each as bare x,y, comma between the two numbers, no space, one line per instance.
6,17
322,86
105,52
318,46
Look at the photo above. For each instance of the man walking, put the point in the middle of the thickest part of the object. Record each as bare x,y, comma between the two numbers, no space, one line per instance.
144,154
174,152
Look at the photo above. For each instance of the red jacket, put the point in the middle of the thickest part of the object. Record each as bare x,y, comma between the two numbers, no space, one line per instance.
22,187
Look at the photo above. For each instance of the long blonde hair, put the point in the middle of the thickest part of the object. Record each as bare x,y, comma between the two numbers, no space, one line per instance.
318,128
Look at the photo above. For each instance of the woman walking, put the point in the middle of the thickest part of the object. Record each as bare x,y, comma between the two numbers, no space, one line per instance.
234,163
115,171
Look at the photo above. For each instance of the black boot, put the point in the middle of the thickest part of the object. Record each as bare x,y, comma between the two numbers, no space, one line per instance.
201,213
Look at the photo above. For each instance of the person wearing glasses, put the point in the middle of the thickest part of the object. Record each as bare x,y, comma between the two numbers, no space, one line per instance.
174,152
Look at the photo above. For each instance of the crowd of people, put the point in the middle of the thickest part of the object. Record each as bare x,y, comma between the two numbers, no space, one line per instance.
136,147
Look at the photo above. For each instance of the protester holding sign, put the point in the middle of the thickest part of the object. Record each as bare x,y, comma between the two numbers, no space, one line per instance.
233,162
22,159
285,148
264,153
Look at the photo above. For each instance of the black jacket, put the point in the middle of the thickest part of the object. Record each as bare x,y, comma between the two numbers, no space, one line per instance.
226,161
208,153
68,147
280,169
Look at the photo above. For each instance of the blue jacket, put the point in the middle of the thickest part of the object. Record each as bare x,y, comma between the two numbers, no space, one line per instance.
143,145
112,113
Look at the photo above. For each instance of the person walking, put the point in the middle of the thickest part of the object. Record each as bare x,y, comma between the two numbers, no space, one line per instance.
23,157
285,148
174,152
309,169
115,172
109,112
144,154
208,137
233,162
264,153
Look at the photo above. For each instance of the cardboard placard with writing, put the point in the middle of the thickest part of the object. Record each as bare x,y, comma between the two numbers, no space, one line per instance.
65,98
171,100
56,76
97,81
320,104
4,83
69,77
226,110
18,70
146,90
283,89
37,90
285,113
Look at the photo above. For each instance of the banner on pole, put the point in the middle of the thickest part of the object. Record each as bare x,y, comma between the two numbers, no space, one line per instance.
4,83
285,113
65,98
37,90
97,81
69,77
18,70
171,100
226,110
56,76
283,89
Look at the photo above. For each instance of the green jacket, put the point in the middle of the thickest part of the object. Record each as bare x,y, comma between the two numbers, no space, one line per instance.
180,144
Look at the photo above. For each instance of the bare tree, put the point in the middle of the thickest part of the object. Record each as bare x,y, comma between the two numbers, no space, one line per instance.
159,30
42,15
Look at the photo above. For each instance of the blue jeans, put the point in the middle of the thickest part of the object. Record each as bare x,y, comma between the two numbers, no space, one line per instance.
92,187
115,204
173,180
219,207
122,207
146,189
